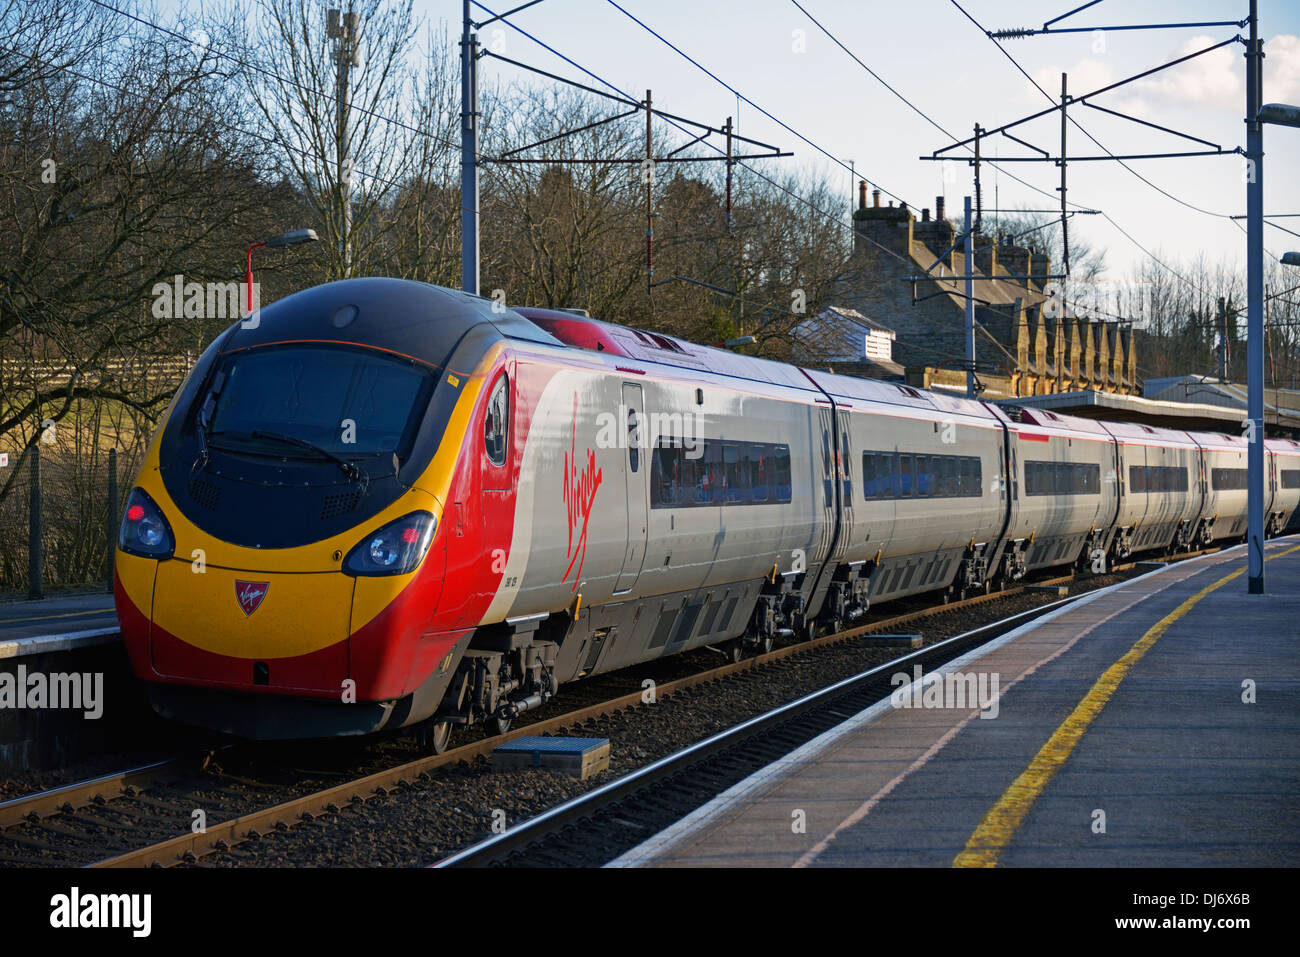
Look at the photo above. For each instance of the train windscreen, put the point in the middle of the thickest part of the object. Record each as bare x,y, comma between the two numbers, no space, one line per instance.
344,401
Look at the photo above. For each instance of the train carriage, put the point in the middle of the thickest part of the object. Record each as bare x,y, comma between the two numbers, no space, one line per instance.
381,504
1163,500
1283,483
1223,478
927,510
1064,497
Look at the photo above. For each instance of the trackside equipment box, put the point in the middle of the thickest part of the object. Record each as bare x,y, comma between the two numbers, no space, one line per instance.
576,757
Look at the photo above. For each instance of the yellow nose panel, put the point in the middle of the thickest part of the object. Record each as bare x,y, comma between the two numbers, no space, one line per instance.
252,614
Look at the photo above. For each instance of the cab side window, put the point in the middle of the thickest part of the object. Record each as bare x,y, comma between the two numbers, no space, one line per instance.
496,423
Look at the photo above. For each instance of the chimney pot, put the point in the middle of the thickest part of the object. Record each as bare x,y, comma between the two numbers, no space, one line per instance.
938,208
875,195
925,215
862,194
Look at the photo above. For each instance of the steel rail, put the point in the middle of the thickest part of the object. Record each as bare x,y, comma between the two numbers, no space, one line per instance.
69,797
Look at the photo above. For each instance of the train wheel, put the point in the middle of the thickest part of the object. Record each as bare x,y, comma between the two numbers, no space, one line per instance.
433,737
495,726
768,644
734,650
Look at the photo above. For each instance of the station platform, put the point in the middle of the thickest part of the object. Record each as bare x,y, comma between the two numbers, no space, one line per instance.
1155,723
62,623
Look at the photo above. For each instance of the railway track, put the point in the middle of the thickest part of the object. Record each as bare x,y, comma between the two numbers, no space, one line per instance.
598,826
104,800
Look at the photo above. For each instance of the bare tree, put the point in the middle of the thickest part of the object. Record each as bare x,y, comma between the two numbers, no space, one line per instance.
112,173
424,241
349,146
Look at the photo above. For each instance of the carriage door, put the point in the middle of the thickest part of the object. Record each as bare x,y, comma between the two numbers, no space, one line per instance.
846,482
636,471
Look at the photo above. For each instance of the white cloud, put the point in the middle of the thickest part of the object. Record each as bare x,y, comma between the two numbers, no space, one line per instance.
1213,81
1282,69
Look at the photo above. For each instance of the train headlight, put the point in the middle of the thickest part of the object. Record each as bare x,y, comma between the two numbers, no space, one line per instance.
144,531
394,549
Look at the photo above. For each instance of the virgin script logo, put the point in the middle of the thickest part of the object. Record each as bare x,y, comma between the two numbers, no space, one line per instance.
579,497
250,595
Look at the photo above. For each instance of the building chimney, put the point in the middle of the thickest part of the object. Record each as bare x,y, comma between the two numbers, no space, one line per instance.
936,234
1040,269
938,207
986,254
1017,260
890,227
862,194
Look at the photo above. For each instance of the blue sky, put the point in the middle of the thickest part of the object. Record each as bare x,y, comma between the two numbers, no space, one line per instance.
937,59
773,54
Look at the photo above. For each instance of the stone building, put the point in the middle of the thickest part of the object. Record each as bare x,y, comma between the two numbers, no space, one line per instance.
1026,346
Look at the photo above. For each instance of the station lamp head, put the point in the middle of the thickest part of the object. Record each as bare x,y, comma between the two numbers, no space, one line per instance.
1280,114
1291,259
293,238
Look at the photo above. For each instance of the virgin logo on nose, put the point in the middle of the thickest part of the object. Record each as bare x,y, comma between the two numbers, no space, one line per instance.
250,595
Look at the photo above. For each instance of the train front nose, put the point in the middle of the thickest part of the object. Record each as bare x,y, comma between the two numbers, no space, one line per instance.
251,629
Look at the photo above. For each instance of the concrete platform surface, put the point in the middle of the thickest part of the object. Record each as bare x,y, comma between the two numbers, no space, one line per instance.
1153,723
55,624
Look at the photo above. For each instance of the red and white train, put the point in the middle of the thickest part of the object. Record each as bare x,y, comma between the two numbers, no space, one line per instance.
413,509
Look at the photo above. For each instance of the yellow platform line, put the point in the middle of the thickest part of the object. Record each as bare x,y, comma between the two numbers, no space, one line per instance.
994,832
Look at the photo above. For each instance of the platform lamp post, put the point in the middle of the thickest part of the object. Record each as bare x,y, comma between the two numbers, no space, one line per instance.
1257,114
292,238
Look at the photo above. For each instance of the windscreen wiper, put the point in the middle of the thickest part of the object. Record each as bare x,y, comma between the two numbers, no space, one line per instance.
203,422
350,469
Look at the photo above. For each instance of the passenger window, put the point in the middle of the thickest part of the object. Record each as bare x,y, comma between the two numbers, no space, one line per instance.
496,423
